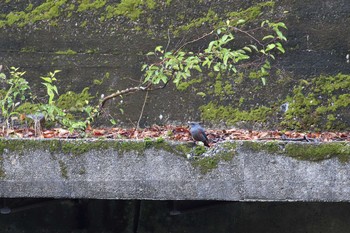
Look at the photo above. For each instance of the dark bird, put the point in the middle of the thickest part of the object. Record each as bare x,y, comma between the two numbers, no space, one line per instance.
198,133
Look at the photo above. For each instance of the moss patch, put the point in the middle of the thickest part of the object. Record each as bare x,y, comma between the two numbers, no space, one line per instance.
2,172
79,147
217,113
226,152
321,103
66,52
317,152
303,151
63,169
213,18
271,147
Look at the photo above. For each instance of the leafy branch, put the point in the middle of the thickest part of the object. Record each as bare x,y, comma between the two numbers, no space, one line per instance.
221,55
178,65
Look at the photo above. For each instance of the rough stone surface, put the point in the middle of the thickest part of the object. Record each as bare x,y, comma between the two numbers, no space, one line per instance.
156,174
317,46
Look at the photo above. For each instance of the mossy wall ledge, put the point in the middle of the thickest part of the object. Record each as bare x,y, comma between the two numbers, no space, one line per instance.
158,169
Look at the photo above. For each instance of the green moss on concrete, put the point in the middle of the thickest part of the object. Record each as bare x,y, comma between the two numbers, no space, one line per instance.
88,5
82,171
131,9
225,152
318,103
321,103
63,169
199,150
271,147
317,152
28,49
216,113
66,52
2,172
216,20
72,101
302,151
185,85
45,11
80,147
249,14
184,149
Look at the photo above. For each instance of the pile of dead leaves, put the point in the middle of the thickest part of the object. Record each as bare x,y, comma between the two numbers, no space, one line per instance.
178,133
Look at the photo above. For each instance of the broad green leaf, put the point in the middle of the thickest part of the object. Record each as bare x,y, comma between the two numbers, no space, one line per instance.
224,38
280,35
216,67
144,67
159,49
281,24
253,47
280,47
163,78
270,47
247,49
46,79
210,47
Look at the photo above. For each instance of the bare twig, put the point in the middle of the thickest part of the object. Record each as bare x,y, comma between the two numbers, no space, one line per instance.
142,109
119,93
195,40
167,46
248,34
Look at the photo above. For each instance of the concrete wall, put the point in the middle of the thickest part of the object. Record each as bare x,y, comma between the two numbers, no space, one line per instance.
113,50
232,171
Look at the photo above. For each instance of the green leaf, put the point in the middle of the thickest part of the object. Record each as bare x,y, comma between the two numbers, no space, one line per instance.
198,68
263,80
159,49
46,79
226,56
268,37
280,35
113,121
241,21
216,67
281,24
210,47
280,47
163,78
247,49
253,47
264,22
270,47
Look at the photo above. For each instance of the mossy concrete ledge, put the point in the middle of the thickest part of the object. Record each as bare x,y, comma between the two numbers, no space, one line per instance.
163,170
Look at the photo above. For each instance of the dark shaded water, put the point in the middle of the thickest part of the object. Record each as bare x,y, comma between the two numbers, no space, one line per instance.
80,216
